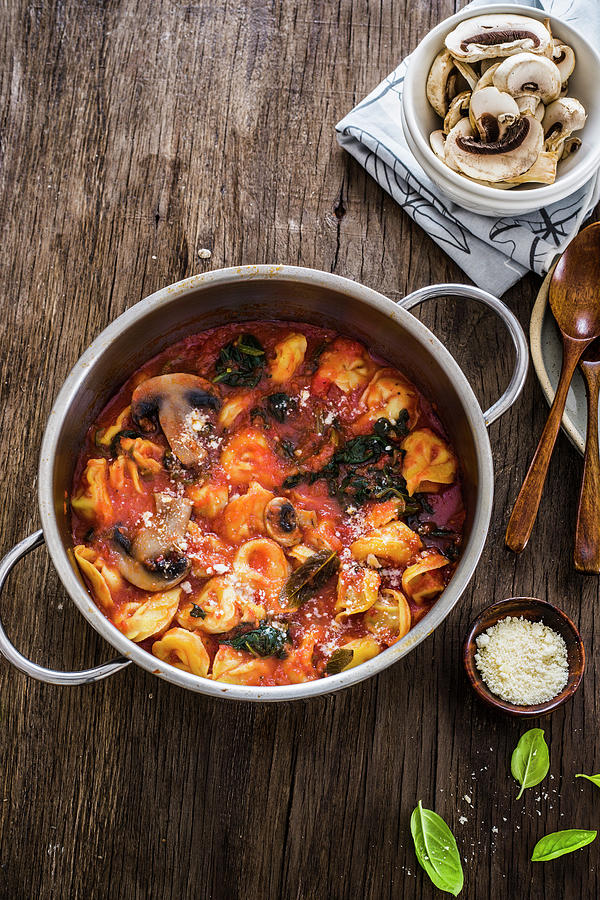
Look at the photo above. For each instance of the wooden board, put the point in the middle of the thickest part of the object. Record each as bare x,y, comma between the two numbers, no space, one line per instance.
133,135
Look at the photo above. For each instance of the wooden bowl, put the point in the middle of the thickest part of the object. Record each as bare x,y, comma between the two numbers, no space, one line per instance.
536,611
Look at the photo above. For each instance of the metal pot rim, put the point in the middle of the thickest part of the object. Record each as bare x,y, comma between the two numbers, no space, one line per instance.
233,276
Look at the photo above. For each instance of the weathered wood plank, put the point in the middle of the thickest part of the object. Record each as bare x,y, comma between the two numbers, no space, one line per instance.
134,134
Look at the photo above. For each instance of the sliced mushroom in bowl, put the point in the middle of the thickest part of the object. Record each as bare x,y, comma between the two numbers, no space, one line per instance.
544,61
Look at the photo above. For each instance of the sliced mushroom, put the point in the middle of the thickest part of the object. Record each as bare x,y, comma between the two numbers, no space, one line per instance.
482,37
487,78
526,74
467,72
492,113
561,119
488,63
458,108
499,160
570,146
530,106
281,522
438,82
543,171
437,140
173,399
563,58
153,559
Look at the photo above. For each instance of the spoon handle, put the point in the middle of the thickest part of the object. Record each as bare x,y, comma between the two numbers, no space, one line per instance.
587,534
525,510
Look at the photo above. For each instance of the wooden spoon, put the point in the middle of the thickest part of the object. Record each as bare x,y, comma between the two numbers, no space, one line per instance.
587,533
575,302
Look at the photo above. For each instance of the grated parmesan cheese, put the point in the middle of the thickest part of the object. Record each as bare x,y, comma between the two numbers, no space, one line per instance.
522,662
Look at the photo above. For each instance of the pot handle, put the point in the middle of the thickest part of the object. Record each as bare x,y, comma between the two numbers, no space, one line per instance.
21,662
510,320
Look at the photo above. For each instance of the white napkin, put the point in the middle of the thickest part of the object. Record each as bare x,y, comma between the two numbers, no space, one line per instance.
494,253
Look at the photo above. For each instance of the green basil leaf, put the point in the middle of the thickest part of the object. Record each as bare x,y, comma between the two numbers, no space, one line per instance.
595,779
338,661
530,760
560,842
309,578
436,850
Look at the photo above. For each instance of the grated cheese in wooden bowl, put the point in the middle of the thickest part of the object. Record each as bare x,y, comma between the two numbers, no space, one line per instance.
522,662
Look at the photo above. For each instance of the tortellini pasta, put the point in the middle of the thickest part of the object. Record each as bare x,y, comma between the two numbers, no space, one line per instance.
234,667
122,469
94,503
233,408
393,543
344,363
390,614
423,581
363,649
428,462
145,454
248,457
357,590
184,650
152,616
244,515
209,499
105,436
215,610
100,576
289,354
263,563
386,396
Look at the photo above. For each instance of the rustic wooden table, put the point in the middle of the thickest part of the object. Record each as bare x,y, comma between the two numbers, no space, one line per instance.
133,135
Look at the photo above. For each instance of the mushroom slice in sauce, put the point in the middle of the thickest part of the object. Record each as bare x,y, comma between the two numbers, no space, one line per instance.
153,560
281,522
499,160
482,37
182,403
528,75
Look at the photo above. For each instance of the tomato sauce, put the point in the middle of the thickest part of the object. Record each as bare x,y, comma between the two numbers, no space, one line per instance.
289,436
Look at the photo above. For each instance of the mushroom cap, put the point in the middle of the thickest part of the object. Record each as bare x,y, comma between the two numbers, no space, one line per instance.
563,58
491,112
507,157
437,82
172,399
497,34
281,522
562,118
526,74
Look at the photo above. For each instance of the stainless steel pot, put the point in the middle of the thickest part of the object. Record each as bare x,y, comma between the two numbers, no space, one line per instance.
263,292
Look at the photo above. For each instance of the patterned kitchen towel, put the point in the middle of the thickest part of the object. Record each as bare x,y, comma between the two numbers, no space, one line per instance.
494,253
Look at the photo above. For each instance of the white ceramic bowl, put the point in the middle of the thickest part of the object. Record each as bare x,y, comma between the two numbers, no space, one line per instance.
419,120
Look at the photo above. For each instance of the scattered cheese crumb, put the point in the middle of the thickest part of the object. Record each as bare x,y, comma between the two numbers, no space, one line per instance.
467,798
463,820
522,662
186,586
204,253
